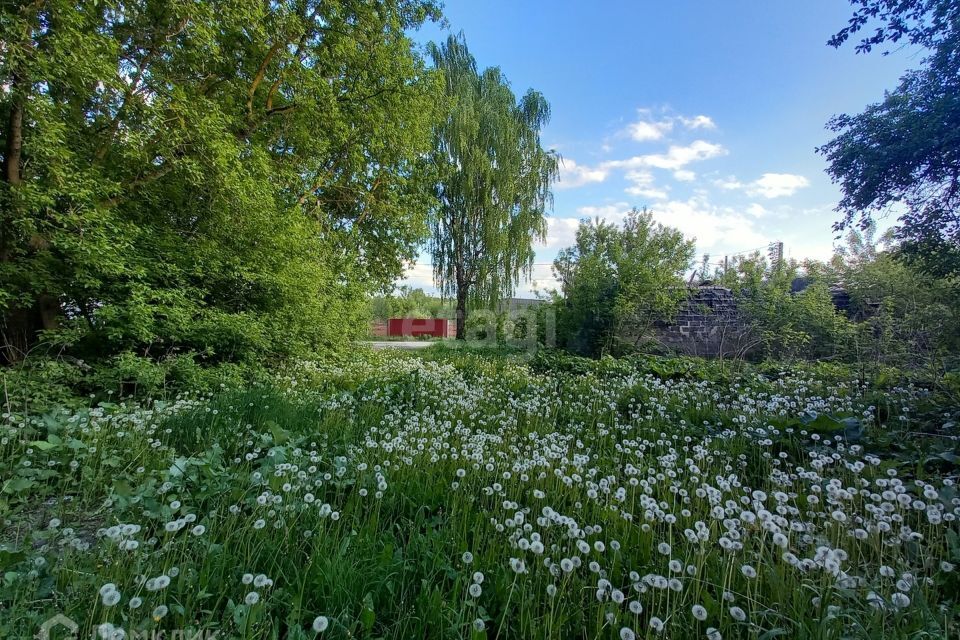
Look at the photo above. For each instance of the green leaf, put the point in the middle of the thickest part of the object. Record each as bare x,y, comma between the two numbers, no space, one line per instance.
10,558
18,485
367,616
280,435
43,445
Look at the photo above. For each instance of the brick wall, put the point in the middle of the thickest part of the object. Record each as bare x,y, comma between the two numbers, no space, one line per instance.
708,325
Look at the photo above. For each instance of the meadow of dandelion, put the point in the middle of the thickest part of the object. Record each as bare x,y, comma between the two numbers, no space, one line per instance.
457,495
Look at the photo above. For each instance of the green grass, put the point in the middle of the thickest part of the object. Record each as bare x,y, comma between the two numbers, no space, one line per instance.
355,489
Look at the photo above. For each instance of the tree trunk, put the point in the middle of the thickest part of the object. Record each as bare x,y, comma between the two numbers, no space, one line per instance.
461,312
11,171
19,325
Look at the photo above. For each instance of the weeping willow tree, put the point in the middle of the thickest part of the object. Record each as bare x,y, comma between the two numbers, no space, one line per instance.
493,182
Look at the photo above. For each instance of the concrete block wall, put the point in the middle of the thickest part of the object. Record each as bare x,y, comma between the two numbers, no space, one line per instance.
707,325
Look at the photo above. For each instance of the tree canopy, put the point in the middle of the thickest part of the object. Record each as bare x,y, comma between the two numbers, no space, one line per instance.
903,154
493,181
615,281
228,177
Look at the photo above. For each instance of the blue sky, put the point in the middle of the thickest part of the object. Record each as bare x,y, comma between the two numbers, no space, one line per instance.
706,112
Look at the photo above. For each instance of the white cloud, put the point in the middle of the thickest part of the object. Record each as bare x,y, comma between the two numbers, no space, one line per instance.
615,212
561,232
769,185
642,185
675,158
418,276
698,122
730,183
776,185
684,175
645,130
573,175
715,228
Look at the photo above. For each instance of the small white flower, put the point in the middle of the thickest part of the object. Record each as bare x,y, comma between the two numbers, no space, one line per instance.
320,624
900,600
252,598
699,612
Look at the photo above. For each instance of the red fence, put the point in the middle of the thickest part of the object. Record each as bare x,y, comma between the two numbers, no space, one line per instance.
436,327
412,327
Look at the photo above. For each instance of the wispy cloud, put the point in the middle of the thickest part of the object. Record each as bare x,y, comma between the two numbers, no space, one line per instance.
769,185
698,122
649,127
645,131
676,157
573,175
777,185
641,184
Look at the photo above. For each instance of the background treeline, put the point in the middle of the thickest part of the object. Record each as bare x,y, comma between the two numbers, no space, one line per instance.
409,302
206,182
867,305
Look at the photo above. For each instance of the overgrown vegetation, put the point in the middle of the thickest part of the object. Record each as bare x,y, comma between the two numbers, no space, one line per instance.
472,495
616,281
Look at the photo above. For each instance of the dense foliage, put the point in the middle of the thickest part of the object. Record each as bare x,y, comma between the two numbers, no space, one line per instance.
904,152
468,496
616,281
864,307
229,178
409,302
493,182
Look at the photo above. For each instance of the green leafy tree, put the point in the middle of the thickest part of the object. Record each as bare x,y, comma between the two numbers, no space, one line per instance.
616,281
788,321
227,177
906,318
493,183
904,152
409,302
